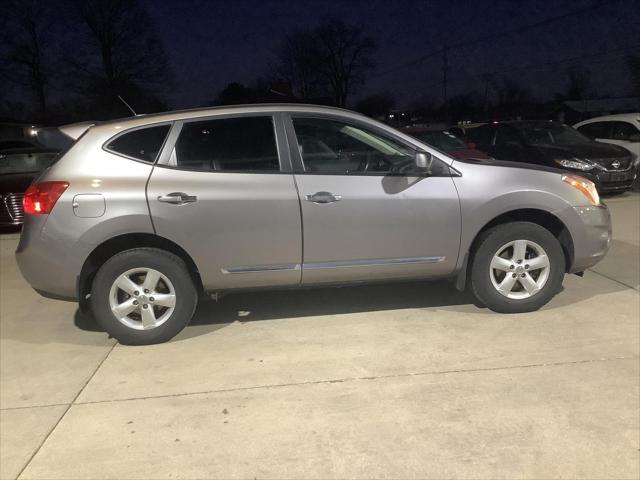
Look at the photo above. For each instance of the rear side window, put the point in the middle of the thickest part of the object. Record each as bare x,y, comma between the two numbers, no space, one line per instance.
596,130
142,144
245,144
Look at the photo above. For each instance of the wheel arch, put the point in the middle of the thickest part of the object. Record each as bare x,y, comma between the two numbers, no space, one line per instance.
540,217
100,254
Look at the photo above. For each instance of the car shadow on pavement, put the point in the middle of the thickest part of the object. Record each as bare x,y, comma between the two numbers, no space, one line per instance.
249,306
256,305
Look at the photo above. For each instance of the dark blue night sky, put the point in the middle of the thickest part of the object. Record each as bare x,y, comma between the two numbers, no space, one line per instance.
214,42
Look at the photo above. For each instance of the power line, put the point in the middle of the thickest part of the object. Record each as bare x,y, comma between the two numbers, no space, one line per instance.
540,66
485,38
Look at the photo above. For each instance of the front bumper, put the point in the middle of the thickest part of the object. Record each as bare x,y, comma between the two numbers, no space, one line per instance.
612,181
590,228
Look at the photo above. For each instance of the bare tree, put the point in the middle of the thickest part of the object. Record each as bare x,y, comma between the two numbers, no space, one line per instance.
26,63
578,86
298,64
511,99
331,59
376,105
124,55
345,53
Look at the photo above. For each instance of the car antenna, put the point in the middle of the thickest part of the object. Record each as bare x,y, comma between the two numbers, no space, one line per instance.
127,105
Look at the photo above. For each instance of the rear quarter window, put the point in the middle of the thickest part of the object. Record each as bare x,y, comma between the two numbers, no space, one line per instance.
141,144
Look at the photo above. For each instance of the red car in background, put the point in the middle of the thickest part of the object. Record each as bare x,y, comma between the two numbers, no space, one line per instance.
445,141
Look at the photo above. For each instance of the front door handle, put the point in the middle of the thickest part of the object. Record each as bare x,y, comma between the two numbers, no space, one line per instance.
323,197
177,198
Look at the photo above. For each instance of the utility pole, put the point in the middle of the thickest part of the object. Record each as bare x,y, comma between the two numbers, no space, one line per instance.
486,78
445,69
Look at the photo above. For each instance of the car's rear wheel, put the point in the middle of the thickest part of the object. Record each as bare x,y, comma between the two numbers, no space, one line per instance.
517,267
143,296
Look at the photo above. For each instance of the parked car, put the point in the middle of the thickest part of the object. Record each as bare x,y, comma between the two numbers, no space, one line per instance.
21,161
623,130
445,141
554,144
142,215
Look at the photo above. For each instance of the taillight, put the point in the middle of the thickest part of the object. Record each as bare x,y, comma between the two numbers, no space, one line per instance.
40,198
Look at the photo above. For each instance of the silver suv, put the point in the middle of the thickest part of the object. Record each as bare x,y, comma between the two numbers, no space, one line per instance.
143,215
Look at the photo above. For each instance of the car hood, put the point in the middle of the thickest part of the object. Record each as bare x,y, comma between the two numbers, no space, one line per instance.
16,182
492,162
594,151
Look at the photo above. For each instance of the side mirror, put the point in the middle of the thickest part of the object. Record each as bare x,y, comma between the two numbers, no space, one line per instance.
423,161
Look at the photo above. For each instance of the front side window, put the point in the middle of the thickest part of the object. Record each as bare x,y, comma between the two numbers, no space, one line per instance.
623,131
142,144
333,147
244,144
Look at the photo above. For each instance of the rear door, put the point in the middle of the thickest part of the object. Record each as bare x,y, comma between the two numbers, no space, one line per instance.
223,191
367,214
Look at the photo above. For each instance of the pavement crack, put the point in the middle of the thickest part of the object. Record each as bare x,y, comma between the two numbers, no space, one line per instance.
355,379
612,279
64,414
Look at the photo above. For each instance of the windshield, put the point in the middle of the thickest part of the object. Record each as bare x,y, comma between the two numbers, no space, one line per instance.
442,140
552,133
25,163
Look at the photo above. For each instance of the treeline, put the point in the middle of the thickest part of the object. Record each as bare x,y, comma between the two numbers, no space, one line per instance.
69,60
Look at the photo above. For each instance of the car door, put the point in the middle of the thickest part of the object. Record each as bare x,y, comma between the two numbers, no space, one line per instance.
367,213
223,191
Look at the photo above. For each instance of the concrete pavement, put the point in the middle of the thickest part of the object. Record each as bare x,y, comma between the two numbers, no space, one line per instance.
406,380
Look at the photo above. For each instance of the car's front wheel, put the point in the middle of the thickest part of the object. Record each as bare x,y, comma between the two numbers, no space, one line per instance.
517,267
143,296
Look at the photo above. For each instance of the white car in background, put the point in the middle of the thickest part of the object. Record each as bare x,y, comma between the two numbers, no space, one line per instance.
622,129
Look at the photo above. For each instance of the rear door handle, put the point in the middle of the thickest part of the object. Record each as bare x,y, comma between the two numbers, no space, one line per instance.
323,197
177,198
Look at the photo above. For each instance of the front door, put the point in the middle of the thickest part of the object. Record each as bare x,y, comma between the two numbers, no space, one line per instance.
220,192
367,214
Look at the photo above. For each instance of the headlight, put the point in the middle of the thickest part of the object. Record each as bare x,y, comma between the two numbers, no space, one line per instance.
574,163
587,187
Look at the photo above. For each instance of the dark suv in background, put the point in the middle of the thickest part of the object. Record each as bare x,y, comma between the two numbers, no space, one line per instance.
554,144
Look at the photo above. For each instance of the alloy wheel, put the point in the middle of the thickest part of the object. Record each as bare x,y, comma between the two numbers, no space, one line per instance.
142,298
519,269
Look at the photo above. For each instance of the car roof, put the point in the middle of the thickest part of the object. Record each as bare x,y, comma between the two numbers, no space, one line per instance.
147,119
631,117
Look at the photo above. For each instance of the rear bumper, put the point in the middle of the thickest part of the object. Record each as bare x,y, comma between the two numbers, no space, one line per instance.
42,265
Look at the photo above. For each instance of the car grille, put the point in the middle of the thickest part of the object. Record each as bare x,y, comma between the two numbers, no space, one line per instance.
11,208
614,164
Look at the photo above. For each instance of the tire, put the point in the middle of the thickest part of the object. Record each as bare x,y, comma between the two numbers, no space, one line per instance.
165,314
532,287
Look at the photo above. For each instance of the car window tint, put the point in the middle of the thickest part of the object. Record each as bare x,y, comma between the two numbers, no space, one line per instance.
505,135
481,136
595,130
142,144
622,130
10,144
245,144
333,147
